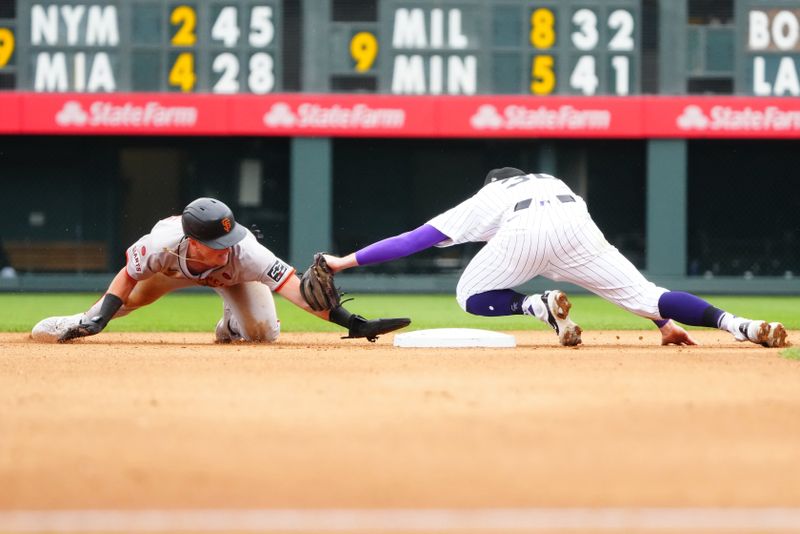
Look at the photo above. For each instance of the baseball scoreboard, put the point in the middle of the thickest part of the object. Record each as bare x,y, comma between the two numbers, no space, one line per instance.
463,47
403,47
229,47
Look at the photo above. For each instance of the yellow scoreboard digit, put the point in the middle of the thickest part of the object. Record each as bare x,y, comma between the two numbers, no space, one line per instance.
6,46
542,38
363,50
183,34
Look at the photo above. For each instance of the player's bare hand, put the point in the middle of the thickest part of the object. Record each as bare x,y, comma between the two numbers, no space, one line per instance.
337,264
672,334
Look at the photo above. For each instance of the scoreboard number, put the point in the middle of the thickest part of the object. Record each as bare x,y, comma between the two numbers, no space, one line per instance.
543,78
182,72
543,34
262,29
261,65
6,46
225,28
185,18
364,50
582,73
622,21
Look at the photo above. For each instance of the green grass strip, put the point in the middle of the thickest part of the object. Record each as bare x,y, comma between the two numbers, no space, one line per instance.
193,312
791,354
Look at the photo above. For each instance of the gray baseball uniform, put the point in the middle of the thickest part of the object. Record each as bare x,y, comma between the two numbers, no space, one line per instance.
157,261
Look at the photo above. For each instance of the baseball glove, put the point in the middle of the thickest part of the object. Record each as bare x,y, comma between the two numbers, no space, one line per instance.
372,328
316,285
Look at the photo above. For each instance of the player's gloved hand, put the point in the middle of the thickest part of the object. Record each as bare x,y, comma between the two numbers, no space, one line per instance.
371,329
86,327
95,324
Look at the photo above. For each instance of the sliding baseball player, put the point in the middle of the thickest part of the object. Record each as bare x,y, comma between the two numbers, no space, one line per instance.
206,246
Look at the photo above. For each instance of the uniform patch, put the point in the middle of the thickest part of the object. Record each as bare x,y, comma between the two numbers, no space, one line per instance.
144,251
277,270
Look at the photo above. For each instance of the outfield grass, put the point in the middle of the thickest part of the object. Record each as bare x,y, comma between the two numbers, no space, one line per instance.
200,312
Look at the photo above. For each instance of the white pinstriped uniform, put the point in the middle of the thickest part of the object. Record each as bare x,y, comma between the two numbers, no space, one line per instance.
554,236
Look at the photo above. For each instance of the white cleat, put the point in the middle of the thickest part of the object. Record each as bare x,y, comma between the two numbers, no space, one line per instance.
754,331
558,306
223,332
51,329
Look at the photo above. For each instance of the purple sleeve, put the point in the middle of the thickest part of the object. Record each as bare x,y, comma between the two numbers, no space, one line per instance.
401,245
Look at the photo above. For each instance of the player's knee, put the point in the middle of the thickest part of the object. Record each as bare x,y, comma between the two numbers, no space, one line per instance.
462,301
262,332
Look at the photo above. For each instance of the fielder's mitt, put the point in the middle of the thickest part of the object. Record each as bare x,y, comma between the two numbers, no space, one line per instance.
372,328
316,285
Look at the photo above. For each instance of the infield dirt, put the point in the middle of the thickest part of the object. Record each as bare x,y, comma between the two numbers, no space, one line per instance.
146,420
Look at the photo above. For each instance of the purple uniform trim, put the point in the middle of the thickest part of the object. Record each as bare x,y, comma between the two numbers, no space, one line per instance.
496,303
401,245
688,309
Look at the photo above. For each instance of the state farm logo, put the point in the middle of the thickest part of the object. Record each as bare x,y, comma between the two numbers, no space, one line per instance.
72,114
151,114
517,117
747,119
309,115
486,118
280,114
692,118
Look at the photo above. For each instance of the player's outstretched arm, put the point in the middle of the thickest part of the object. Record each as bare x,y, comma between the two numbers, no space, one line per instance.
118,292
389,249
290,290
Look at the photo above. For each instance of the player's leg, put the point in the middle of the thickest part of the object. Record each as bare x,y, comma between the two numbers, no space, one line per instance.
505,262
692,310
249,314
606,272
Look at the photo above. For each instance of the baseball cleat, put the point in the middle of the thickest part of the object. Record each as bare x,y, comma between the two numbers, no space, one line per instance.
224,333
49,330
776,336
757,332
558,306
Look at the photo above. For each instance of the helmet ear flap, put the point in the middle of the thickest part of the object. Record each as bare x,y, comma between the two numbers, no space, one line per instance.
502,173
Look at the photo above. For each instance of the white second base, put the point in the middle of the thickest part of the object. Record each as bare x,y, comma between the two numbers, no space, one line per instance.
455,338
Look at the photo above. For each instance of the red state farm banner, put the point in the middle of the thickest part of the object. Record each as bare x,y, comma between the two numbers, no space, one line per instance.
541,117
132,113
336,115
10,109
722,117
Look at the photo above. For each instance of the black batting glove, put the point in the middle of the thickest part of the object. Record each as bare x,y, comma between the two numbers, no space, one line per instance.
86,327
94,325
